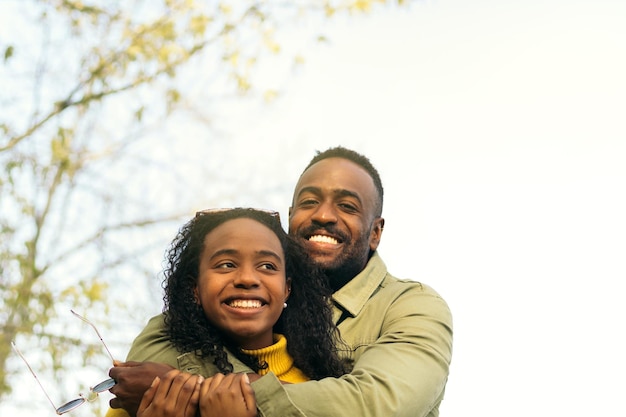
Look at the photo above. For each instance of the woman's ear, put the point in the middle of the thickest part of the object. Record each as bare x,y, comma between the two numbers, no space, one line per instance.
288,288
196,298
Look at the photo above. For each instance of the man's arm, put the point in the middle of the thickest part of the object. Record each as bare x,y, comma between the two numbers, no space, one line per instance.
132,379
403,372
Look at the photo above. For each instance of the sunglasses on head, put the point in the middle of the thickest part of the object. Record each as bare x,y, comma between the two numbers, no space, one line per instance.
206,212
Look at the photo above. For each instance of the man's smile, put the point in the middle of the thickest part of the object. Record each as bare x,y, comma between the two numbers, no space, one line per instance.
323,239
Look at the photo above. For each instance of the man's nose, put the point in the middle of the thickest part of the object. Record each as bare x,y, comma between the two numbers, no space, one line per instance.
325,213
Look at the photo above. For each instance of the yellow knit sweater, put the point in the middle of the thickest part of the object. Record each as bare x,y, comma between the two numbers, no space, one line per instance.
278,361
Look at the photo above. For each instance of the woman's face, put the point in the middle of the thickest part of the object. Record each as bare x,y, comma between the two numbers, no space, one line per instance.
242,283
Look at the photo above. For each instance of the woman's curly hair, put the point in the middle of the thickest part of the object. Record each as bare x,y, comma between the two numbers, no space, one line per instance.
312,338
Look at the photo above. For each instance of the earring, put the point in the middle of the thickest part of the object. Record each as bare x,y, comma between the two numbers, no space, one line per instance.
284,305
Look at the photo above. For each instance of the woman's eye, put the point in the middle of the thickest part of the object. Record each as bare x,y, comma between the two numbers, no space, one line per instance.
225,265
269,266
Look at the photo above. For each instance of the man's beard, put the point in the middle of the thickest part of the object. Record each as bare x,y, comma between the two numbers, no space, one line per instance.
347,265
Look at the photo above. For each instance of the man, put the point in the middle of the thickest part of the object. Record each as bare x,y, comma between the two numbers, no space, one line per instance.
399,331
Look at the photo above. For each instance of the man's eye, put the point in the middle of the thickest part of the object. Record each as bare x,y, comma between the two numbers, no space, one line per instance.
351,208
225,265
308,203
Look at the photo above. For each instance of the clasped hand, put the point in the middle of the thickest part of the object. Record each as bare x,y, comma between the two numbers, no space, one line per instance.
180,394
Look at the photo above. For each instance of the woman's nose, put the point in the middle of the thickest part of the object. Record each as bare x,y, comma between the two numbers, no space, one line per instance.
246,278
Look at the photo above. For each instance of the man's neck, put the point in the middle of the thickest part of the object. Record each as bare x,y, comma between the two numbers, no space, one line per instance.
338,278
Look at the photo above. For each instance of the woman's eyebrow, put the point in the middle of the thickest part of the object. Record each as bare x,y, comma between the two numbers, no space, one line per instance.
270,253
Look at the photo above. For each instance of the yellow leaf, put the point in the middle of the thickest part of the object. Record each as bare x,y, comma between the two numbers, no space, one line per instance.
225,8
361,5
198,25
233,59
270,95
97,291
273,46
242,83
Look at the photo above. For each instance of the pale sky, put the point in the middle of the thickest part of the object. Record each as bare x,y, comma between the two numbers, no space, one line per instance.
498,128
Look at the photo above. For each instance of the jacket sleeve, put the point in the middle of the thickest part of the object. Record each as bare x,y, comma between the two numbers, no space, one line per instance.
402,373
153,344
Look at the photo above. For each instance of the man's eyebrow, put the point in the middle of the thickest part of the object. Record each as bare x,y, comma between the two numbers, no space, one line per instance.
341,192
347,193
309,189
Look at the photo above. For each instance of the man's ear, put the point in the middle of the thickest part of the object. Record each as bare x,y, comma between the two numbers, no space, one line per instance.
376,233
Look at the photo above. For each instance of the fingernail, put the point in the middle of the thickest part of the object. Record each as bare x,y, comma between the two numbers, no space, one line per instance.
155,380
246,379
200,379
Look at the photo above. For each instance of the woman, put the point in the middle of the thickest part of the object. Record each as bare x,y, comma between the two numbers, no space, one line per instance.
229,275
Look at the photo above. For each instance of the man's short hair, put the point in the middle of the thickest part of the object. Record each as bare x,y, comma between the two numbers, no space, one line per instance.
357,158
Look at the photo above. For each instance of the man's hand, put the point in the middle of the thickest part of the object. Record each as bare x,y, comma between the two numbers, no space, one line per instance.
132,380
227,396
174,396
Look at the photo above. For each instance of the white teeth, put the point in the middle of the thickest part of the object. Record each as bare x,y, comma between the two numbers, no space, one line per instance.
323,239
245,304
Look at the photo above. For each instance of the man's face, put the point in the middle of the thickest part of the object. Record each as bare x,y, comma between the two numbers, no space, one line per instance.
333,213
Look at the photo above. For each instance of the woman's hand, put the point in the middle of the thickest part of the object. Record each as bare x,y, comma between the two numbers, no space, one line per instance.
176,395
227,396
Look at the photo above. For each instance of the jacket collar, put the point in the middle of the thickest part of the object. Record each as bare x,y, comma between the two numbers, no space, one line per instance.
353,296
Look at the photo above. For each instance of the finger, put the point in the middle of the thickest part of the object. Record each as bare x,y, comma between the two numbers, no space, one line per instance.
232,381
177,401
192,405
184,386
215,382
148,396
165,386
208,388
164,398
115,403
229,388
126,364
248,392
115,370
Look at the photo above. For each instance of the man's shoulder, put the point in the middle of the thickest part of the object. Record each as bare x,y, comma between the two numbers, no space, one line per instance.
410,294
153,344
392,283
156,322
390,287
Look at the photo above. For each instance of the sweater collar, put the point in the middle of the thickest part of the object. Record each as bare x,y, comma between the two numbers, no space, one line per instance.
276,356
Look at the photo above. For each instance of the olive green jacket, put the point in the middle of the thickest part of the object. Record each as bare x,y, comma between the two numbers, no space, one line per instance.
153,345
399,334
